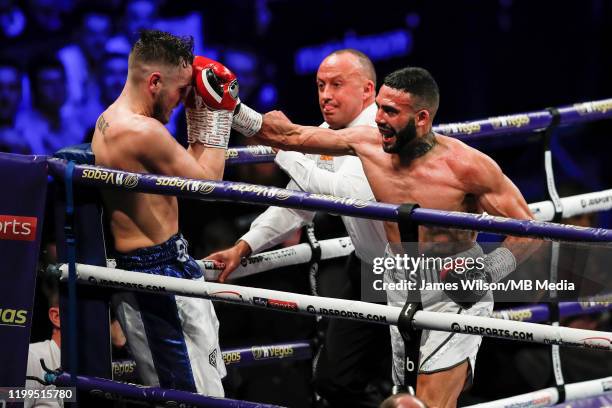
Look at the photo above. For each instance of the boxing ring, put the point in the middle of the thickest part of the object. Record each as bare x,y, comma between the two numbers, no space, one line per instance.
86,263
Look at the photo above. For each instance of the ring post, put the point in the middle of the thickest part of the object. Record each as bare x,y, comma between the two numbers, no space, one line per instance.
22,211
73,359
93,349
555,247
409,233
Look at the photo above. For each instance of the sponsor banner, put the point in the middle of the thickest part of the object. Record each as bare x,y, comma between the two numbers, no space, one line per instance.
125,370
24,183
271,352
346,313
275,304
232,357
13,317
266,354
272,257
113,177
17,228
488,331
124,285
249,154
603,106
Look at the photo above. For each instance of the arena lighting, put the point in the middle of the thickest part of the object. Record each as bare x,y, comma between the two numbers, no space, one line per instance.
390,44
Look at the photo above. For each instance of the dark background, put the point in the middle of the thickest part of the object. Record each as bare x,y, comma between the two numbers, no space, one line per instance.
489,58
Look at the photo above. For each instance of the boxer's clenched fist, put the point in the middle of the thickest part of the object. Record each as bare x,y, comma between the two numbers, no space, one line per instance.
211,105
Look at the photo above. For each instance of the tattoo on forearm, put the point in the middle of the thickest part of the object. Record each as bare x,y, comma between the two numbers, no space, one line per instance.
102,124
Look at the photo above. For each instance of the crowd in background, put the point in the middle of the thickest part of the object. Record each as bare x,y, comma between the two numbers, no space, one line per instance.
63,61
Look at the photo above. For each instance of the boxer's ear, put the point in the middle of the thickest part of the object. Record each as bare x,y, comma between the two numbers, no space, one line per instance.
422,117
54,316
154,83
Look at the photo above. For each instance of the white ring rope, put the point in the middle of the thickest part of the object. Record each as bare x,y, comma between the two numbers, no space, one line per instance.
349,309
293,255
549,396
574,205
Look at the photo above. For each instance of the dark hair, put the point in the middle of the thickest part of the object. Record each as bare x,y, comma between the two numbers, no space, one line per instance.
418,82
394,401
49,285
364,61
159,46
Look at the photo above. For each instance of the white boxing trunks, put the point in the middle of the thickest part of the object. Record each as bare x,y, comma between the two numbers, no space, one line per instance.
439,350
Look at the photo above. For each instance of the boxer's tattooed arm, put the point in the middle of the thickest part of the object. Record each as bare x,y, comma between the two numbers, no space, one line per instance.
102,124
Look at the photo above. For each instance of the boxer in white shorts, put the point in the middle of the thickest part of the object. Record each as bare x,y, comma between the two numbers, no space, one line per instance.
440,351
406,162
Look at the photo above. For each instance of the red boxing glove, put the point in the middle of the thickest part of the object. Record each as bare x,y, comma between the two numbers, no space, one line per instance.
215,83
211,107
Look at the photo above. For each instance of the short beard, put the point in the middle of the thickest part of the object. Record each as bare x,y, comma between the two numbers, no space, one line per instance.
402,138
158,108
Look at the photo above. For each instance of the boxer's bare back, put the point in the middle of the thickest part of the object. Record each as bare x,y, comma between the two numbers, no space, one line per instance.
130,136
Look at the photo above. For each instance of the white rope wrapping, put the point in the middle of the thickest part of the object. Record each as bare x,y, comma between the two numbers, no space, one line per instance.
549,396
348,309
574,205
293,255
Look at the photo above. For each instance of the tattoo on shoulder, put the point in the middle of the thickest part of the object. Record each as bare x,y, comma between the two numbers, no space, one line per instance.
102,124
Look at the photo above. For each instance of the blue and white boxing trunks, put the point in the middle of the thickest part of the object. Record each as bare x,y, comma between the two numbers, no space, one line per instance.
174,339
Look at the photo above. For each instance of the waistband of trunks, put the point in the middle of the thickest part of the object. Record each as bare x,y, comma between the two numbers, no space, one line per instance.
172,250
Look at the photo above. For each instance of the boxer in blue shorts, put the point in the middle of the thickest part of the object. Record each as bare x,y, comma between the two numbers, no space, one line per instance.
174,339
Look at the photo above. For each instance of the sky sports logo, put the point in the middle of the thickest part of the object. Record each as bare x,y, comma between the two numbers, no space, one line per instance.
18,228
275,304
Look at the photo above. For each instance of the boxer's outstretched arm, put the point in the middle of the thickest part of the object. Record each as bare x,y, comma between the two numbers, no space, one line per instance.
278,131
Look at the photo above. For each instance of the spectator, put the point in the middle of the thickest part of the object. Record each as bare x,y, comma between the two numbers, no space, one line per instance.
48,350
45,16
140,15
112,75
12,19
82,61
11,139
48,19
50,123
